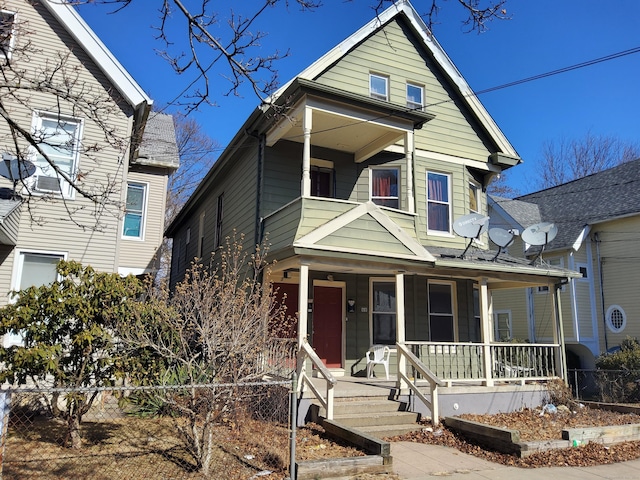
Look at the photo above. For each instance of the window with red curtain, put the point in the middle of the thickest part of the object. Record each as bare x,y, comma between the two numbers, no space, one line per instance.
438,202
384,187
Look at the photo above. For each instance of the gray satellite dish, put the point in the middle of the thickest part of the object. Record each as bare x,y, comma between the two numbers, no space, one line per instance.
502,238
14,169
540,234
471,226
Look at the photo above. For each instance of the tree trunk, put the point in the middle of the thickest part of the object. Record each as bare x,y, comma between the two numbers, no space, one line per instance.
73,425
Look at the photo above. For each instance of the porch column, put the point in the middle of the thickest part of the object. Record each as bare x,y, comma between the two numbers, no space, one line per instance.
485,325
558,332
306,152
303,307
400,332
408,154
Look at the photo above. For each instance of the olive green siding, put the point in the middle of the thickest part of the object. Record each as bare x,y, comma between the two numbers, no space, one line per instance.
394,52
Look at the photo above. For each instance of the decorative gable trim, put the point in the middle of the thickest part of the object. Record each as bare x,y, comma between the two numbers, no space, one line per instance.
312,239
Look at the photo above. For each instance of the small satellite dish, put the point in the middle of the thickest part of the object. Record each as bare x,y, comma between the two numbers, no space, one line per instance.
14,169
540,234
502,238
471,226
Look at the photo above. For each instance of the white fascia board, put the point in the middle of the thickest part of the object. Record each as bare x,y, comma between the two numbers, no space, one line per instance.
583,234
82,33
429,41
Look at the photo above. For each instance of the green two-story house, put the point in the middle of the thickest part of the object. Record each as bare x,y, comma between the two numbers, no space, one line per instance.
357,186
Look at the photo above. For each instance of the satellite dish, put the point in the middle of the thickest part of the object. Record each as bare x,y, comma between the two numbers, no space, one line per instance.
502,238
14,169
471,226
540,234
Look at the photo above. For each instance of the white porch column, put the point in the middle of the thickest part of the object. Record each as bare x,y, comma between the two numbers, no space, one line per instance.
306,152
400,327
408,154
558,332
485,324
303,306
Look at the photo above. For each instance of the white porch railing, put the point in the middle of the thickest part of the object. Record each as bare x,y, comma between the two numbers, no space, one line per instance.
306,352
465,362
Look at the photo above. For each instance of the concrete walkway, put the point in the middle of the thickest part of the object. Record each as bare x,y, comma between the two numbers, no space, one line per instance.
418,461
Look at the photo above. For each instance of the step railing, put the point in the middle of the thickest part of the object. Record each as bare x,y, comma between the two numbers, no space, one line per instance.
326,401
424,373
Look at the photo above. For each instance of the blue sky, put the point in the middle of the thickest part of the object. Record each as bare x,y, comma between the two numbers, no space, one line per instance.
542,36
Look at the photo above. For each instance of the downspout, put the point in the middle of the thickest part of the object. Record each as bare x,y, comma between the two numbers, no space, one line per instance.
560,326
601,276
259,226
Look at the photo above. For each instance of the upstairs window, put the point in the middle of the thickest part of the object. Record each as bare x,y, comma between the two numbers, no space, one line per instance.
415,96
474,199
384,187
7,34
59,139
379,87
438,202
133,226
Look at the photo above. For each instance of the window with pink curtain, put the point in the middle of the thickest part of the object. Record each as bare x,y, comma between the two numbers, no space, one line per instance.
384,187
438,205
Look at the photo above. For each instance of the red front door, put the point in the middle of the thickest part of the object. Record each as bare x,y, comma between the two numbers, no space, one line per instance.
327,325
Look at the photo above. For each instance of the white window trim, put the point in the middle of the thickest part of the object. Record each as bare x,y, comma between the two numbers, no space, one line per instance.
67,192
441,233
386,81
495,324
373,280
12,40
454,306
399,177
145,210
16,274
413,105
608,318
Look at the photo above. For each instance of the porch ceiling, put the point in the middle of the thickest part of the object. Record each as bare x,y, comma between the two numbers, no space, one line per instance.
343,121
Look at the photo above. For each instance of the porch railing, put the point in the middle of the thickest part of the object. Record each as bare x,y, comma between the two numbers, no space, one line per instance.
510,362
306,352
420,369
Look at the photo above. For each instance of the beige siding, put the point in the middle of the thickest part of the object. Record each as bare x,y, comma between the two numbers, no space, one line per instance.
142,253
513,301
58,226
390,52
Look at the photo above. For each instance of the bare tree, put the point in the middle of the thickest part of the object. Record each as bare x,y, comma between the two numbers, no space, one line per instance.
566,159
210,336
500,187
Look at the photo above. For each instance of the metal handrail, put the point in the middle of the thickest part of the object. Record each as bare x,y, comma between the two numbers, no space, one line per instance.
434,382
307,352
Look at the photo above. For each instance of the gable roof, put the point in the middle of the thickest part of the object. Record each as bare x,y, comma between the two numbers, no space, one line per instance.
404,7
606,195
71,20
521,214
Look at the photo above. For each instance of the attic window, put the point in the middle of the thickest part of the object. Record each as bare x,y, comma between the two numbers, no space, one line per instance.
7,23
415,96
379,86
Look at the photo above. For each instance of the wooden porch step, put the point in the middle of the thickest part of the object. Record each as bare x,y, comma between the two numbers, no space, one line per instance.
369,419
384,431
370,405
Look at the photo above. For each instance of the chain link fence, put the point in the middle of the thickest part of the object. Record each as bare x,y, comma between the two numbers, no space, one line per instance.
611,386
233,431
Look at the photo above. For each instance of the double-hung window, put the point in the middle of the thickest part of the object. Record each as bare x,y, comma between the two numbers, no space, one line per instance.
474,199
58,139
415,96
7,33
134,216
383,312
379,86
441,313
385,187
438,202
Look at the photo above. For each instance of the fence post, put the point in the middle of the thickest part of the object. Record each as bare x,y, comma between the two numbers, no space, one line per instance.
294,425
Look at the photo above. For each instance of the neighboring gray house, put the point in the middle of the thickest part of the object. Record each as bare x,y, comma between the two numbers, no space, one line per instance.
598,221
128,238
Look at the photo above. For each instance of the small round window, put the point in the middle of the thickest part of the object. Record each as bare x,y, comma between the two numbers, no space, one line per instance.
616,318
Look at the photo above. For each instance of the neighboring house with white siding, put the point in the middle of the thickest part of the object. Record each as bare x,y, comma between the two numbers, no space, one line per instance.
356,187
598,221
132,174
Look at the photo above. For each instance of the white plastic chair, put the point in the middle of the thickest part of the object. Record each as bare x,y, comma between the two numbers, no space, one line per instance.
378,354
